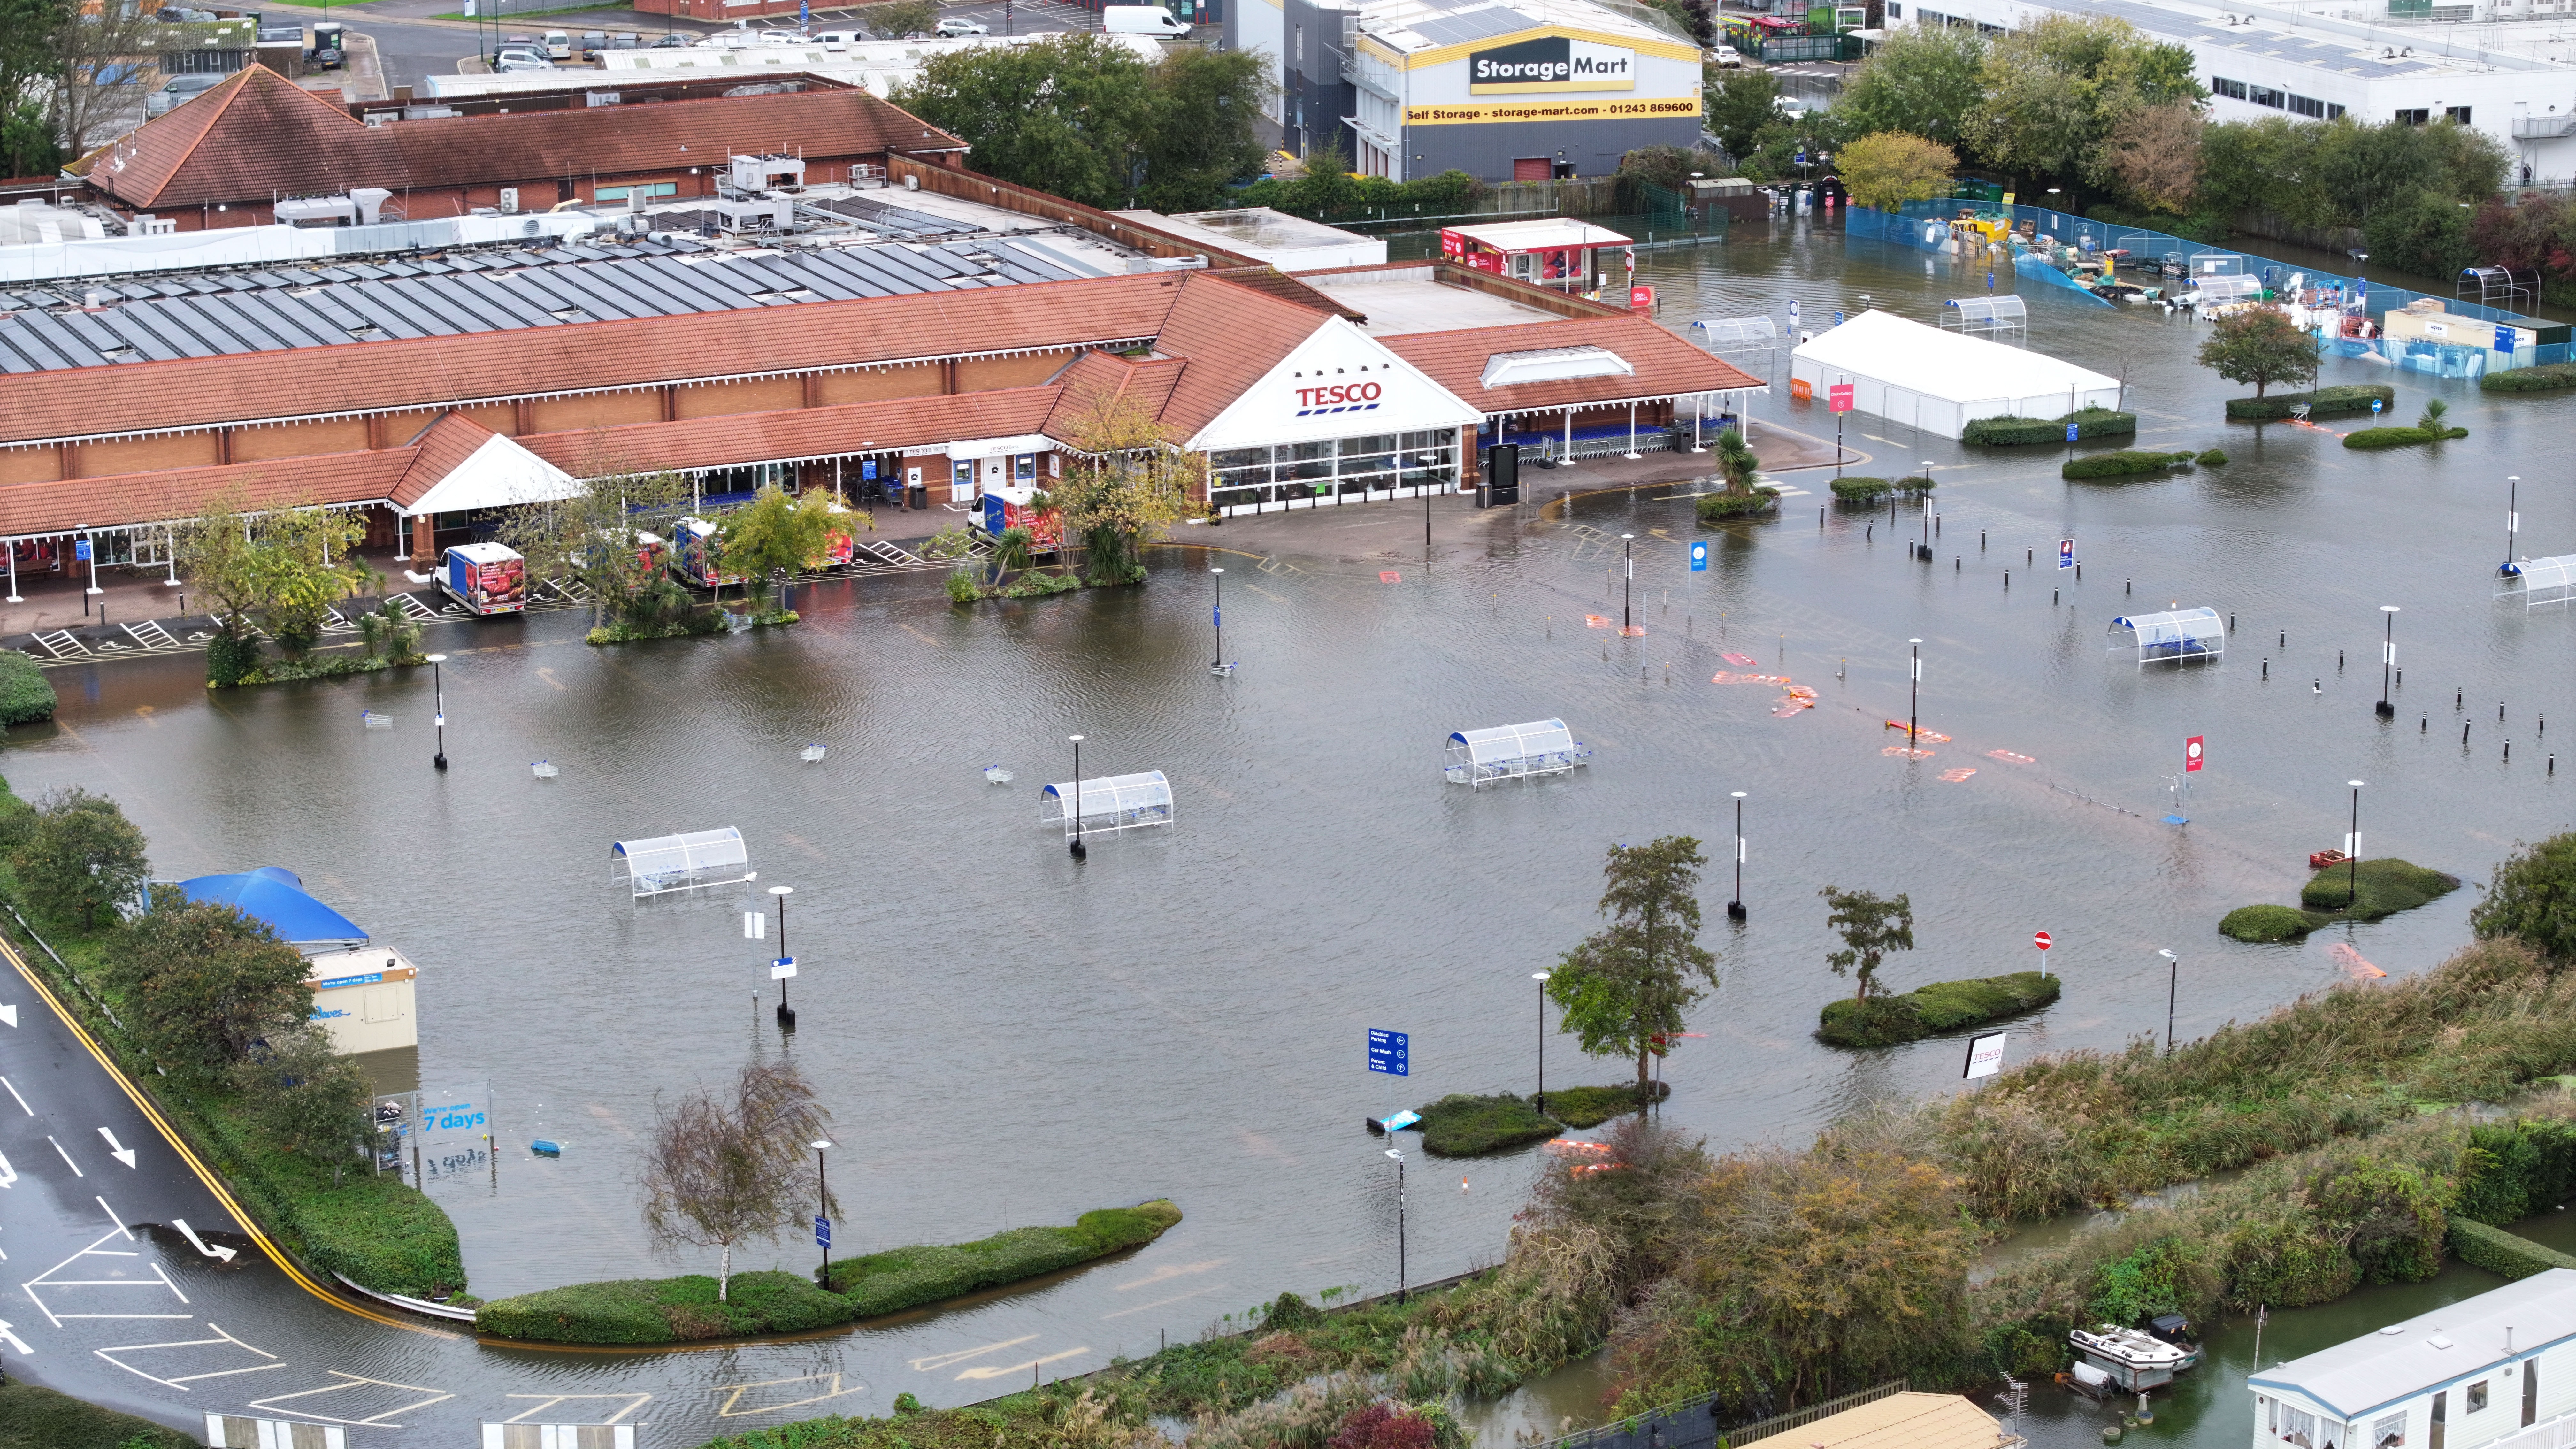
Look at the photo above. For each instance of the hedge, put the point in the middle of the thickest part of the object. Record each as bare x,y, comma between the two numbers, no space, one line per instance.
25,693
2515,1169
2012,432
2548,377
34,1418
1870,490
1716,507
2501,1252
679,1310
2121,464
2265,924
1930,1010
1581,1107
379,1231
2377,888
1460,1125
2325,402
2400,437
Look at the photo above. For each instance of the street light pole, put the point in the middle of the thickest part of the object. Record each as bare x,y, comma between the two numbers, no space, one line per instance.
1217,666
2173,983
1628,564
2512,517
780,893
1541,978
438,690
1735,907
2387,659
1399,1223
1914,699
823,1210
2352,873
1080,852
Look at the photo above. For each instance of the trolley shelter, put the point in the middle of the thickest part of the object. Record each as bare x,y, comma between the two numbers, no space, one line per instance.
1112,802
2543,580
2170,638
1987,316
681,862
2234,287
1512,752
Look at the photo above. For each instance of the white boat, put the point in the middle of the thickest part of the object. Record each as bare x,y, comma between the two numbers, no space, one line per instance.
2133,1358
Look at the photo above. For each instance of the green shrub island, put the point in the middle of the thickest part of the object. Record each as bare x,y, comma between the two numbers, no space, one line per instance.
1460,1125
1874,490
25,694
1582,1107
2012,432
1931,1010
2547,377
685,1309
2212,459
2376,888
2371,438
2265,924
34,1418
2325,402
2127,462
1718,507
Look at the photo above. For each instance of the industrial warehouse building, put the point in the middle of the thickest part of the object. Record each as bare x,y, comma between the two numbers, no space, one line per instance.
927,328
1503,90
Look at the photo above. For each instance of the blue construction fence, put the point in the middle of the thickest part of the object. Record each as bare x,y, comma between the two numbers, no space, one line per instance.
1925,225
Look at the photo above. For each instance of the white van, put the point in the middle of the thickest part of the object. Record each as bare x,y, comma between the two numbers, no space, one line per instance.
558,45
1141,20
840,39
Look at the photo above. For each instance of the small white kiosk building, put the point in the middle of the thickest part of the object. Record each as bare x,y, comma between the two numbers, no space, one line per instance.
2495,1372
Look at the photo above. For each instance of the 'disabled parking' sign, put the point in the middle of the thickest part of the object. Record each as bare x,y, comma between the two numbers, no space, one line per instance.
1390,1052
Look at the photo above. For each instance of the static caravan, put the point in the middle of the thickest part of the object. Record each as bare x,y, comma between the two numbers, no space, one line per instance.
2497,1371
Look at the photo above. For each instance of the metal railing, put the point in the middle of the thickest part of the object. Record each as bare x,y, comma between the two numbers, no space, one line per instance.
1692,1424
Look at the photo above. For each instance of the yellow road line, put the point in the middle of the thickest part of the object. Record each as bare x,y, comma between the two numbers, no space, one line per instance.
142,1103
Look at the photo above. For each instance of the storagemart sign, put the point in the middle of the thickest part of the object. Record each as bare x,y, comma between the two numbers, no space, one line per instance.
1550,63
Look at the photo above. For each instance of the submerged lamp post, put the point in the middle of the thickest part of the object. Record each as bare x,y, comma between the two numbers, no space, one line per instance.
438,691
785,967
2173,983
2512,518
1914,697
1735,907
2387,659
1541,978
822,1210
2352,871
1399,1223
1628,570
1428,461
1079,851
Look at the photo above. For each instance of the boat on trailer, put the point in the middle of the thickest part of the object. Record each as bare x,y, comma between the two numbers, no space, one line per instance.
2131,1359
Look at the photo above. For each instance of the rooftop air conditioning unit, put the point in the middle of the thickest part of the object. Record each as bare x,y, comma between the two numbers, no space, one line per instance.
509,200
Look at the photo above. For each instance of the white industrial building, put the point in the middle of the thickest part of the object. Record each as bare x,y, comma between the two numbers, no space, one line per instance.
2497,1371
2337,57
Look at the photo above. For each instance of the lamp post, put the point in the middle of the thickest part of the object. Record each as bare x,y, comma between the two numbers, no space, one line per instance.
1914,698
1217,617
1541,978
1079,851
1628,571
1399,1223
2512,518
786,962
2387,658
2173,983
2352,872
1429,461
438,691
1735,907
822,1214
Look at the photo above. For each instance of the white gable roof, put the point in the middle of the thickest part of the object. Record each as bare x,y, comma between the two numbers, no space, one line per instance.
496,475
1338,383
2371,1372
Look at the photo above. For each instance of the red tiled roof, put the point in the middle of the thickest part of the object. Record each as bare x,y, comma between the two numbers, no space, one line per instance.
258,136
437,452
796,433
366,377
1097,375
1666,365
1232,336
184,492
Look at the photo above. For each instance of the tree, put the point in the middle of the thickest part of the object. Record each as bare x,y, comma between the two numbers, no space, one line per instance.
726,1170
278,570
2154,154
1871,926
307,1098
1062,114
205,981
1206,105
895,19
28,65
2054,90
1626,987
81,860
1925,79
2427,234
2533,895
775,533
597,539
1739,103
1131,482
1888,168
2262,346
1735,461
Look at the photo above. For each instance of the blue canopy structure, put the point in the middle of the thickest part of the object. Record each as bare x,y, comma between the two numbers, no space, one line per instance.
273,894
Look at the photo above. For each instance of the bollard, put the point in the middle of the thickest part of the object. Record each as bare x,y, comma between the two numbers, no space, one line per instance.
2079,573
2499,711
2464,734
2285,639
1936,525
2027,555
2338,661
2426,727
2455,697
1868,532
1956,562
1820,520
2052,598
1981,540
2231,623
2008,581
2128,586
2267,668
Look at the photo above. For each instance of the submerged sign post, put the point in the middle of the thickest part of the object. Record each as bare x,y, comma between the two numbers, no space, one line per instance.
1839,397
1699,556
2066,553
2191,755
1985,1055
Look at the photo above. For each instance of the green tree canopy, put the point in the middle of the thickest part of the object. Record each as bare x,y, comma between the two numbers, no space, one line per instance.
80,860
1133,483
1887,168
777,533
205,981
2262,346
1923,79
1871,926
1063,114
278,570
306,1098
1206,105
2054,90
1626,988
2533,896
1739,103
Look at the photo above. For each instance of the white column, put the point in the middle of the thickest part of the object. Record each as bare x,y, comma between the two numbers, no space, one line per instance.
1569,438
1633,454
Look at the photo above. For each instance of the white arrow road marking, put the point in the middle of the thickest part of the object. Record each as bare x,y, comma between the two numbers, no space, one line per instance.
218,1251
67,1158
13,1340
8,1174
116,1149
21,1101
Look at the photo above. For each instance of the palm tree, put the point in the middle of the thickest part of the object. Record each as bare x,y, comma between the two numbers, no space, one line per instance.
2431,421
1735,461
1010,551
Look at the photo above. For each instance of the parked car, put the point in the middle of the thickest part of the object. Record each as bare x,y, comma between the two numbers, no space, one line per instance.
841,39
625,40
672,41
558,45
181,14
956,29
592,43
521,65
180,90
1142,20
1725,56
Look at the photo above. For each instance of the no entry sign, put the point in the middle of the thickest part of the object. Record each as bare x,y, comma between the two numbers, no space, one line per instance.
2191,755
2041,940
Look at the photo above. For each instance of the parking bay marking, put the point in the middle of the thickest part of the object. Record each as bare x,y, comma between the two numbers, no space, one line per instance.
182,1381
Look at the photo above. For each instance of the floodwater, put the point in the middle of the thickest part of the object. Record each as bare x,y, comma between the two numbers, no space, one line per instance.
1007,1037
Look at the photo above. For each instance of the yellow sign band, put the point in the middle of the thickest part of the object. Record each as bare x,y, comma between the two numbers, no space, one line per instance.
1504,111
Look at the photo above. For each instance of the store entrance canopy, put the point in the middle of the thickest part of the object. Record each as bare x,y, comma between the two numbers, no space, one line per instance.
1938,382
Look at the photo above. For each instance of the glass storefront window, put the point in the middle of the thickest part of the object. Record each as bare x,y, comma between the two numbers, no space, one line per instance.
1343,469
1239,458
1306,460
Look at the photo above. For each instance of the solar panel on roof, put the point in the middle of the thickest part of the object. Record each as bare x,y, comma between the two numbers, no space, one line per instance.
296,325
207,322
125,323
38,339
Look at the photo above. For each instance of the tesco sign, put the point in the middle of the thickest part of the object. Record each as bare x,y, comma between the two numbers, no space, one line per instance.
1355,397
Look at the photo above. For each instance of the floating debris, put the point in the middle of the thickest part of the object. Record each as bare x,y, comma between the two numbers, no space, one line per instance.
811,753
375,721
544,769
544,1148
995,774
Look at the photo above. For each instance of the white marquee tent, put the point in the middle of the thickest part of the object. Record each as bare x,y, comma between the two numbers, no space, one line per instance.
1938,382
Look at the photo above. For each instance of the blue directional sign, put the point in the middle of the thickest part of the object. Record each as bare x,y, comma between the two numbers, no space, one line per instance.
2504,339
2066,553
80,551
2070,432
822,1232
1699,556
2374,407
1390,1052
